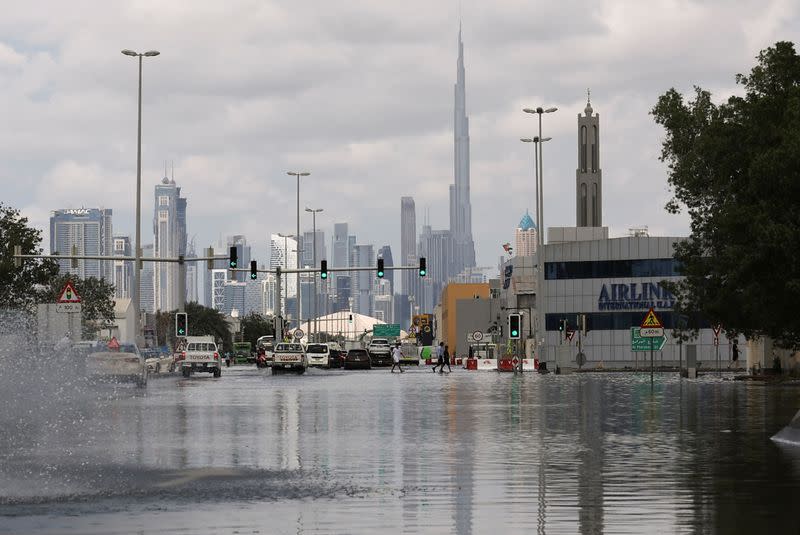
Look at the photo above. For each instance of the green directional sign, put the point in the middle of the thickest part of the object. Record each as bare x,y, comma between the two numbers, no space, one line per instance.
639,343
386,330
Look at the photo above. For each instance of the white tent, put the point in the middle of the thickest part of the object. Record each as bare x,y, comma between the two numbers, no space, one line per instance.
348,324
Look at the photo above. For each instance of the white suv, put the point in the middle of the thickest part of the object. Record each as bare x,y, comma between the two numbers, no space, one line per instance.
380,352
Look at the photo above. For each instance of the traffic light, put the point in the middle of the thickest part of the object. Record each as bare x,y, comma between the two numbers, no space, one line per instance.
423,268
234,258
323,269
514,322
563,325
380,268
253,270
350,320
181,324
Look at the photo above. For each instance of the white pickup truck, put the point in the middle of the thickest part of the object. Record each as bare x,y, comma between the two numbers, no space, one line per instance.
289,357
200,355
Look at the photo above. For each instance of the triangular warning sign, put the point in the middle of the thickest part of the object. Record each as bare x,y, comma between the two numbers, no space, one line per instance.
68,294
651,320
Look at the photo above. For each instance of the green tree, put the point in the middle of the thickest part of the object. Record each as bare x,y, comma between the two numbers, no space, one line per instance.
735,167
254,326
16,284
97,301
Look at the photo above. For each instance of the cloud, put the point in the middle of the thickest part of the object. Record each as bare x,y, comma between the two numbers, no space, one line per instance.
361,94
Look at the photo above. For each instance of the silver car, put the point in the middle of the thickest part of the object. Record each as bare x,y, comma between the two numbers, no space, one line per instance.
122,363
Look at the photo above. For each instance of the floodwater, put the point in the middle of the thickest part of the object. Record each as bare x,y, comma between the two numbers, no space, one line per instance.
357,452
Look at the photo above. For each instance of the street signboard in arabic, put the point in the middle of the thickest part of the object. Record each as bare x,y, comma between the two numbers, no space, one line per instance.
386,329
639,343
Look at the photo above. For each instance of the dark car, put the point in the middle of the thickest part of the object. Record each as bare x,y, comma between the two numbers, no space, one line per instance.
357,359
336,358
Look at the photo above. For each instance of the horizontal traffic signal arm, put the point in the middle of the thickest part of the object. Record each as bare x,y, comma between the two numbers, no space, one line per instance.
313,270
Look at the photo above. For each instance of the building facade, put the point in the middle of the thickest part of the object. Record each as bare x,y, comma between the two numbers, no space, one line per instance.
463,251
169,236
123,269
525,237
87,231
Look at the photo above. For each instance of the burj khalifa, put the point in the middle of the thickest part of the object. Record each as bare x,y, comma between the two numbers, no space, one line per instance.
460,206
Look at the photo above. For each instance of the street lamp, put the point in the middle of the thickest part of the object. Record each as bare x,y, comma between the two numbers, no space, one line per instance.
314,213
535,140
540,290
540,216
137,254
298,174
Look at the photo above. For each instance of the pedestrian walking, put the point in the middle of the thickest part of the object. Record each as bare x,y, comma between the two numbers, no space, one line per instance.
446,360
734,354
396,354
439,356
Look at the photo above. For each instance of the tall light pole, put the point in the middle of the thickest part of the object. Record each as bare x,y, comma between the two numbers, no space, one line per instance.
536,141
539,111
541,329
298,174
137,254
314,212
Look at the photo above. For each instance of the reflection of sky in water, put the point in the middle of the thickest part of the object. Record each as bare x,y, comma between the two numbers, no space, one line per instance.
422,453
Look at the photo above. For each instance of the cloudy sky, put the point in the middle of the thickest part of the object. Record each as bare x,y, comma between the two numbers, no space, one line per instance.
360,93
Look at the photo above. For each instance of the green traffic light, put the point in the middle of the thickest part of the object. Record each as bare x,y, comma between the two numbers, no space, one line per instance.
380,274
515,333
323,275
422,272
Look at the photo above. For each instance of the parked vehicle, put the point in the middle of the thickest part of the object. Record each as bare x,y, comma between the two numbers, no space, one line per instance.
335,355
289,357
200,355
380,352
243,353
318,355
120,363
158,362
357,359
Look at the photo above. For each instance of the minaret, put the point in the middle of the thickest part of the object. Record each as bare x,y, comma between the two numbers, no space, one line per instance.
460,206
588,176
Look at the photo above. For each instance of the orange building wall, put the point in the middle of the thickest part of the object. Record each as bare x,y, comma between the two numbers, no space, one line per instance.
452,293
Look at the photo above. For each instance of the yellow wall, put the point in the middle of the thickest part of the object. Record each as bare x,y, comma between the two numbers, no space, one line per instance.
452,293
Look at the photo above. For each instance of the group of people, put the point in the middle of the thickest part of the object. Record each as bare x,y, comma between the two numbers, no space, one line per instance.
442,358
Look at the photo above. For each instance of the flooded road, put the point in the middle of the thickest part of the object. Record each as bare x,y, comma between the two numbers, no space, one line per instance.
356,452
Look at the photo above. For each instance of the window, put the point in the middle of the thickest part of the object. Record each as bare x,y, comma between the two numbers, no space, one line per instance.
595,217
584,216
583,149
163,200
595,165
612,269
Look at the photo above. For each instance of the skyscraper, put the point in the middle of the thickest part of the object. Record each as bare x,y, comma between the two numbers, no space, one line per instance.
588,176
89,230
525,237
362,281
460,206
281,255
147,294
123,269
341,256
437,246
385,252
169,230
408,242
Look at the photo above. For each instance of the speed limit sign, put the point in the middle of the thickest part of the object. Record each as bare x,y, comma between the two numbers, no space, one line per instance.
477,336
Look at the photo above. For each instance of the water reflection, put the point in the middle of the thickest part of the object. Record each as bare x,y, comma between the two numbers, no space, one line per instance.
460,453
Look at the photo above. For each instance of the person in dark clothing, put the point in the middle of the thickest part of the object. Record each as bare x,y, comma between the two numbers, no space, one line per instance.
439,356
734,353
445,360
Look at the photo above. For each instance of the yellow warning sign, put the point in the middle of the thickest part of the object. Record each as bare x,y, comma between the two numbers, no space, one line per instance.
651,320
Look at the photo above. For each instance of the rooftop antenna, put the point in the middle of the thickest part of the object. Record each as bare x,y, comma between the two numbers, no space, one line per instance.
165,167
173,170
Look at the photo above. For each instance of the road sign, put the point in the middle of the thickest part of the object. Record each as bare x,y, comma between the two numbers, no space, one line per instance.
68,308
570,334
651,332
113,344
717,329
638,343
477,336
298,333
651,320
68,294
386,329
